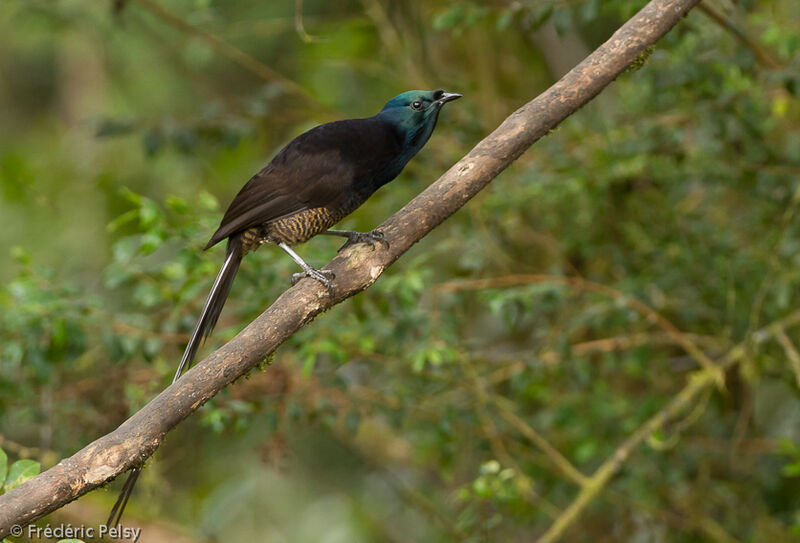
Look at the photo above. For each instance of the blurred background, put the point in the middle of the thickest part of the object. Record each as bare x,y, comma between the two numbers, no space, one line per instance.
470,393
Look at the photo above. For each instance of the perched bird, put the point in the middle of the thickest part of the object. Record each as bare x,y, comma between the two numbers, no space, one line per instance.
319,178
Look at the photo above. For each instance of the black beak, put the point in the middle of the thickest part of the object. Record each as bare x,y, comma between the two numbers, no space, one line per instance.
447,97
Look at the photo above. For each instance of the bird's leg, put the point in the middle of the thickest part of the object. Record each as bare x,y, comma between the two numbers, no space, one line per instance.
370,238
323,276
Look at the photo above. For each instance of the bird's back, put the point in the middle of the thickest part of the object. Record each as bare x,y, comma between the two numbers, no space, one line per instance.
334,166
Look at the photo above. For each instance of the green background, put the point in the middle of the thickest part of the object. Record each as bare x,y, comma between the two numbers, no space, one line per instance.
407,413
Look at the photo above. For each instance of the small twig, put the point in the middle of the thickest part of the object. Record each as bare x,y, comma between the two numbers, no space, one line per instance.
740,427
663,444
300,27
791,352
19,449
610,467
762,56
583,348
560,461
423,503
392,40
652,315
699,382
623,343
694,519
752,446
231,52
498,447
774,266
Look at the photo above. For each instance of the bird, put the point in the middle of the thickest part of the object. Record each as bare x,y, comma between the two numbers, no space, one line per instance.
315,181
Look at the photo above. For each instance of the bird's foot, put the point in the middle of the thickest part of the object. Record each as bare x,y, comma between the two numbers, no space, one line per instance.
370,238
323,276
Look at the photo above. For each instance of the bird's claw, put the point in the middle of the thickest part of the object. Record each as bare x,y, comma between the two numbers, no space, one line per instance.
323,276
370,238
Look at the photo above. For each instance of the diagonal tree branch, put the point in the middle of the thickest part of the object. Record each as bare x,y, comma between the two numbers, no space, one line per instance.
356,269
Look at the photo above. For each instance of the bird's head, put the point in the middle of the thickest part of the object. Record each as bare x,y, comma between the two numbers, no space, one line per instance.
414,114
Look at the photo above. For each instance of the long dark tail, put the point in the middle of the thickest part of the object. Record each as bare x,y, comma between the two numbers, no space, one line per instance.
214,302
208,318
124,495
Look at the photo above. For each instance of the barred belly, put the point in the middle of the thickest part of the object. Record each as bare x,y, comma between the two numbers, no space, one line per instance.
294,229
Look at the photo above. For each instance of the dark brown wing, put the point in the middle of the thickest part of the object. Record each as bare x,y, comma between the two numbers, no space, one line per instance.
318,168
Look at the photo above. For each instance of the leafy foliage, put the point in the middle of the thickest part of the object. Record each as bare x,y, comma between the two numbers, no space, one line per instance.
17,473
475,389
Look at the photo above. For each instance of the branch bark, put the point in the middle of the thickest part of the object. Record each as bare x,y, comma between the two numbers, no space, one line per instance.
356,269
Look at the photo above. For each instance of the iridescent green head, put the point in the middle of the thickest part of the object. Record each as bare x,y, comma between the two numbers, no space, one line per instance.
415,113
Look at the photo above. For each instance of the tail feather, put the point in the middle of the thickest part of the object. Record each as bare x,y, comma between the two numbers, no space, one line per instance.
208,318
127,489
213,307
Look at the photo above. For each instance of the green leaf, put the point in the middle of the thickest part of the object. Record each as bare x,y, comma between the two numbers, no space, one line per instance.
178,205
308,364
207,201
21,471
540,15
791,470
482,488
449,18
148,212
505,19
123,219
490,467
21,255
132,197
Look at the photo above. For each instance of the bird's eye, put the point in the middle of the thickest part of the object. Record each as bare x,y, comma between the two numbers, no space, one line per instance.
416,105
